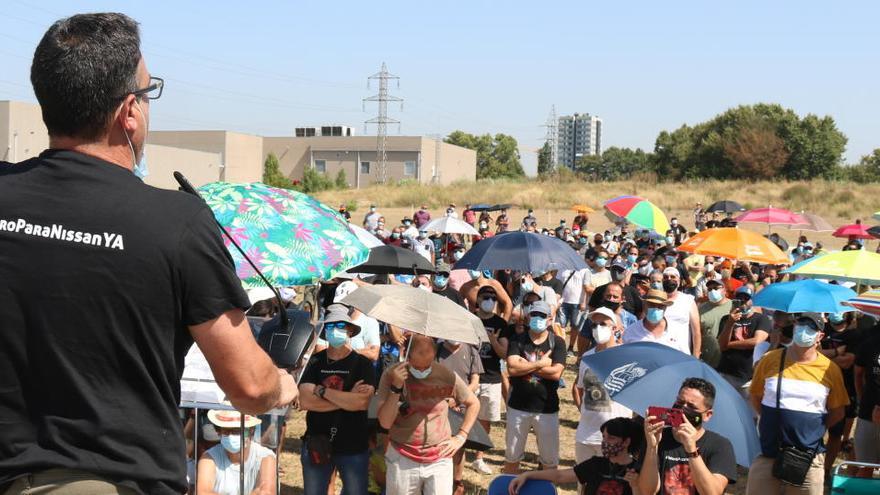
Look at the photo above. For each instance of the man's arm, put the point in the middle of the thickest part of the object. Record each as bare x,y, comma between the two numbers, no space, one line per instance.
350,401
552,372
518,366
266,477
724,335
696,332
370,352
474,382
242,369
747,344
859,381
308,401
834,416
206,472
505,305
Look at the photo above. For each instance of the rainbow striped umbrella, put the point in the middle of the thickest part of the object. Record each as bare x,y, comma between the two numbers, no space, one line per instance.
638,211
868,302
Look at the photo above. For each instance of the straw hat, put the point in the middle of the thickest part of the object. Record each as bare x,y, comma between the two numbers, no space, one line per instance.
655,296
231,419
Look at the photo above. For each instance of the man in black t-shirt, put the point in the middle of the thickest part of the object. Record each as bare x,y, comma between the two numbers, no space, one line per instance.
867,383
491,354
687,458
741,331
440,285
105,282
335,389
535,361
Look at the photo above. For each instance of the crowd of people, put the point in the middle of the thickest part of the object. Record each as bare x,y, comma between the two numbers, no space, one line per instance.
636,288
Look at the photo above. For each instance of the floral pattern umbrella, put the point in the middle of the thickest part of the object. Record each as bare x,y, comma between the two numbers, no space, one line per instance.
291,237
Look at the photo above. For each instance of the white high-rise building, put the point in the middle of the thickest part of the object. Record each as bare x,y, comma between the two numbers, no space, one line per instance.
578,135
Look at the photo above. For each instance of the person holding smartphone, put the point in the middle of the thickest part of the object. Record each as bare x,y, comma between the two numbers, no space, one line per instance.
741,331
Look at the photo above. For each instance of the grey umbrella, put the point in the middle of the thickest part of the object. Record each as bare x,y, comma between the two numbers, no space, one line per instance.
418,311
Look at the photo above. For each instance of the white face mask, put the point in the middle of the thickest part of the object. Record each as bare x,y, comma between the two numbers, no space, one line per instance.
487,305
426,288
601,333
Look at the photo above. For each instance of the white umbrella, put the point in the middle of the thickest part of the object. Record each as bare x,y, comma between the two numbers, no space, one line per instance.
418,311
450,225
366,238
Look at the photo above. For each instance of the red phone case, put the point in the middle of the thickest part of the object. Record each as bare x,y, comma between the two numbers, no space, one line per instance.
669,416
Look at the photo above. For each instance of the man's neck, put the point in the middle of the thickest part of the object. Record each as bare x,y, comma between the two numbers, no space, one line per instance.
672,295
236,457
119,155
484,315
337,353
803,354
539,337
655,328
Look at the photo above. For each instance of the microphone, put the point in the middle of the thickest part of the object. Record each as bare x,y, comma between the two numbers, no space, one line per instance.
276,335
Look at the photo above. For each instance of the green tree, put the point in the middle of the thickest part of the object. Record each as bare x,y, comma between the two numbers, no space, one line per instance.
341,181
615,164
497,157
867,170
545,157
314,181
272,175
757,153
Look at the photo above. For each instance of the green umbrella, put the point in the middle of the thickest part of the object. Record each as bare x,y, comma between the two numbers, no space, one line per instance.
291,237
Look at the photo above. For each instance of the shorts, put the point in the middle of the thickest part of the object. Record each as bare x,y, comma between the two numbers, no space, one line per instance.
570,314
490,401
546,433
866,441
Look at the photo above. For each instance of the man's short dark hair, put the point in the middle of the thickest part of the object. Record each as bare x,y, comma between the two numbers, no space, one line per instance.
82,69
704,387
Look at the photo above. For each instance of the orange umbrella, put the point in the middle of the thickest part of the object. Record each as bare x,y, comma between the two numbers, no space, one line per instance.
734,243
582,208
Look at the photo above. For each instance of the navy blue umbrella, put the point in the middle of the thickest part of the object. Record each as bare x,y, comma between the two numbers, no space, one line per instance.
522,251
644,374
481,207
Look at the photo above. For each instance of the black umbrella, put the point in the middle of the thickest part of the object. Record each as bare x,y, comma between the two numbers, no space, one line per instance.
875,231
481,207
779,241
393,259
499,207
725,206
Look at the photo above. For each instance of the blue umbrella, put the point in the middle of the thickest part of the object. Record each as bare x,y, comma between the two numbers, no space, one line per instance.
644,374
481,207
522,251
803,296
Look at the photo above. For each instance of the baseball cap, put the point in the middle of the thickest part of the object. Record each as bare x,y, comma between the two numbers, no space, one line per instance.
744,289
604,312
619,264
671,271
486,289
816,318
540,306
443,267
344,289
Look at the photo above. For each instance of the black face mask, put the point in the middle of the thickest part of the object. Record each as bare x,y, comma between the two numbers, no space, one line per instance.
670,286
612,305
692,416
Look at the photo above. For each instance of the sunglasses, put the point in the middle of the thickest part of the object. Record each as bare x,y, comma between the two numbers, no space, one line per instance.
339,325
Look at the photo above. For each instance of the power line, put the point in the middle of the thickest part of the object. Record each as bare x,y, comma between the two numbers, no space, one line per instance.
382,120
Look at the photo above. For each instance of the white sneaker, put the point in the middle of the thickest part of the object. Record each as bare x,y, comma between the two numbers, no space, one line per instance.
480,466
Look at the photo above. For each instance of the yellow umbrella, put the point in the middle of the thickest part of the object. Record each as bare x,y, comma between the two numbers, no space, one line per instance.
582,208
737,244
859,266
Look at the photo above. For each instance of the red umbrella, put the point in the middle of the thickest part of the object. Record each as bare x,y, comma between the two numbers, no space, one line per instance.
772,215
857,230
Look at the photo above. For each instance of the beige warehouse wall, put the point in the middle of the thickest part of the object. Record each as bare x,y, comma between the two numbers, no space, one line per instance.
292,153
242,154
455,162
22,132
199,167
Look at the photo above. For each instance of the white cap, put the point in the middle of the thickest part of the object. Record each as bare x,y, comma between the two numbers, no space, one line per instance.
669,270
604,312
260,294
344,289
287,294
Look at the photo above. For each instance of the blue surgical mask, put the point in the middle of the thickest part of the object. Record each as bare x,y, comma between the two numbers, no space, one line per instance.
600,262
654,315
527,286
395,235
657,285
631,258
607,237
337,337
715,295
582,240
440,280
487,273
837,318
804,336
458,255
670,260
419,374
139,167
232,443
670,240
538,324
474,273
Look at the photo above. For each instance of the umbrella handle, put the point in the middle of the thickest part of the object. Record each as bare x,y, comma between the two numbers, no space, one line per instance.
188,187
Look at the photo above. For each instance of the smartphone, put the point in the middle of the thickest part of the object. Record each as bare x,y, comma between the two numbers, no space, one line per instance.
737,304
669,416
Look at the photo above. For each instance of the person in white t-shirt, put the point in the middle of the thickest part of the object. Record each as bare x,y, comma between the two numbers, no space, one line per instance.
576,289
600,274
654,327
589,394
682,316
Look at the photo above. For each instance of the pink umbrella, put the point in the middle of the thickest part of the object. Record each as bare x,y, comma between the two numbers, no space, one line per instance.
771,215
857,230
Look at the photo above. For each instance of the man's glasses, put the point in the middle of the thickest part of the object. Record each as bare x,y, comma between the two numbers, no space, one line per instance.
153,90
336,324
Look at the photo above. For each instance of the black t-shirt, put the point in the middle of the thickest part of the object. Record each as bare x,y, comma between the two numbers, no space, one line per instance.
632,300
602,477
100,276
738,362
852,339
491,360
351,426
868,357
531,393
554,283
675,471
451,294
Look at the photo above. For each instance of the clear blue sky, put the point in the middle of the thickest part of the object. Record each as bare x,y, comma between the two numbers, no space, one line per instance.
643,66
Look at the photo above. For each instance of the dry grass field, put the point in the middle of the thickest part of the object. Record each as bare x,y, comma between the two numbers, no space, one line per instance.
838,202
